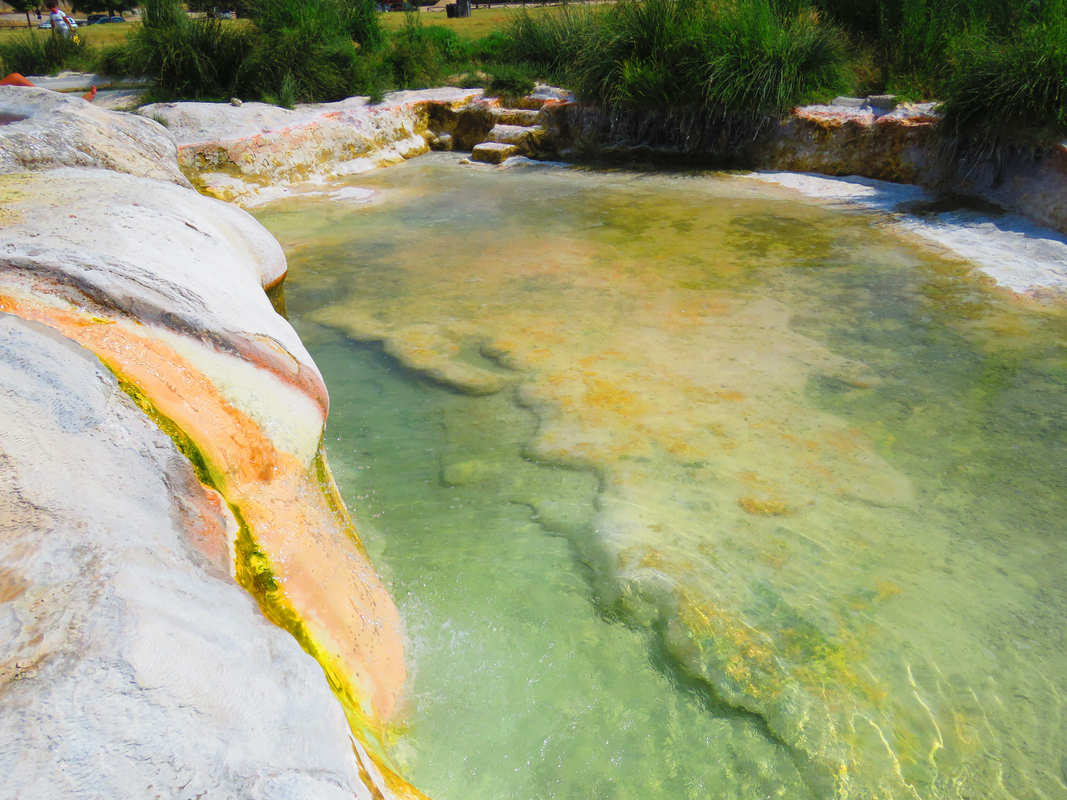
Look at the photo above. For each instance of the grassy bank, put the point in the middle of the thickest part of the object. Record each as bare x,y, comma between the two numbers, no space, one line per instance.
482,22
999,66
38,52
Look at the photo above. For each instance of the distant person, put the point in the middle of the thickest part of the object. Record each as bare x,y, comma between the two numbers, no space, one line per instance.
14,79
61,23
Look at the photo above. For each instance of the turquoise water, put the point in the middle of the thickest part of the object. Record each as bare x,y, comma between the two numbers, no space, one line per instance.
691,488
519,687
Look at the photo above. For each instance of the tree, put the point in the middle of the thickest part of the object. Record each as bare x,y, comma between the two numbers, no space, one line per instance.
25,6
98,6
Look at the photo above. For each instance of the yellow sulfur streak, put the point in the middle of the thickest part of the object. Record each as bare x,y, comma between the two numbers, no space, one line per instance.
297,551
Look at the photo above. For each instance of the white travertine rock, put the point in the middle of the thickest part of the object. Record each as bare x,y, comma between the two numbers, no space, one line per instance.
250,153
134,665
190,236
207,260
131,664
493,152
44,130
1008,248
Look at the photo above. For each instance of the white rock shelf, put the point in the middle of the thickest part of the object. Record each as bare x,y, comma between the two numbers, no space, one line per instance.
1014,252
132,663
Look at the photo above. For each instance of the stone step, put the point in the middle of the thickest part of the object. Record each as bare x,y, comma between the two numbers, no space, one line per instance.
539,96
493,152
528,103
510,134
517,116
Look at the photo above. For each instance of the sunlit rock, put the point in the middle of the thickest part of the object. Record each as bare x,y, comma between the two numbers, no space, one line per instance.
248,154
46,130
839,140
131,662
494,152
160,292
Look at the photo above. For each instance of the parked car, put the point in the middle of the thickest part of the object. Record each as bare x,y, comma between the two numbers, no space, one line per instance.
47,26
97,19
117,19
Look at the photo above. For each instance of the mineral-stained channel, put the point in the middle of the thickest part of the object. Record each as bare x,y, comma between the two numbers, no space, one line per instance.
164,497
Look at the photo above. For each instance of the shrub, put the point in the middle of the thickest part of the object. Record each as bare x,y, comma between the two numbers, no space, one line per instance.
291,51
41,53
1000,92
552,40
912,41
200,59
720,57
303,50
446,42
360,20
511,81
494,47
414,59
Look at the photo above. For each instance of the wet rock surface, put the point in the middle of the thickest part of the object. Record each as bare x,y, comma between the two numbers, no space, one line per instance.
132,664
173,547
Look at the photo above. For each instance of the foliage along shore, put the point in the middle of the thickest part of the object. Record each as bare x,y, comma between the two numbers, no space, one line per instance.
998,66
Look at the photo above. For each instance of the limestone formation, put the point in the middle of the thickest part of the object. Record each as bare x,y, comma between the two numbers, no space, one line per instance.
161,477
253,151
131,663
864,140
43,130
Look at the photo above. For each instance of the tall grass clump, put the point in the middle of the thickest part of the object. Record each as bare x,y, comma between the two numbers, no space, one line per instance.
417,55
43,52
715,56
554,40
289,51
303,51
420,55
913,42
190,59
1008,92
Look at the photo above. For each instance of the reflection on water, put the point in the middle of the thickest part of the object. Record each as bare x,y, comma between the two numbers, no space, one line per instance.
817,471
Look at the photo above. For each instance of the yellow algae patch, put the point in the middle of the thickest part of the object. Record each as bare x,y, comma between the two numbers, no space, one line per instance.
764,508
296,549
744,655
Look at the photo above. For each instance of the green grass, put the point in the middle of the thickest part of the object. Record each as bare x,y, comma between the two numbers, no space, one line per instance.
190,59
1000,66
290,51
297,51
42,52
1014,91
915,44
740,57
31,52
481,23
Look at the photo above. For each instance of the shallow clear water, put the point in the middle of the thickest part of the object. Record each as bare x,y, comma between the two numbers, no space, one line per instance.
713,492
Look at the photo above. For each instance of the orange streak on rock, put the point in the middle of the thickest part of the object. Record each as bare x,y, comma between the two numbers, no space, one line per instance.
314,556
